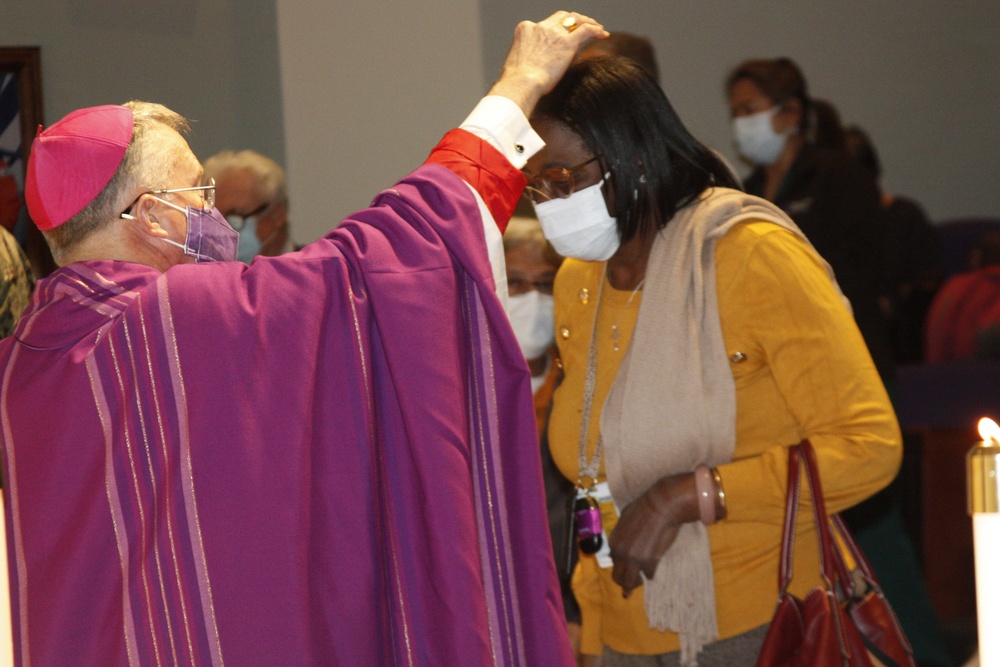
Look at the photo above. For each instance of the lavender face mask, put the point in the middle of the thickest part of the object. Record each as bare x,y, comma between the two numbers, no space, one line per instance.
210,237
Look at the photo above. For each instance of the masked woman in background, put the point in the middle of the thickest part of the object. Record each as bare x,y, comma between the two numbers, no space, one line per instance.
531,266
797,148
802,164
700,335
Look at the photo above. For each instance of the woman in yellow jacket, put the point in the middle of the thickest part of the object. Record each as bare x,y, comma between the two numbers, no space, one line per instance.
700,335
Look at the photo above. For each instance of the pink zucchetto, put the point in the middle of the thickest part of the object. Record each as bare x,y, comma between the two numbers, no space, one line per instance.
73,160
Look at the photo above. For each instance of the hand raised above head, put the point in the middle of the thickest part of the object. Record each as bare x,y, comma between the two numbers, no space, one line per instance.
540,54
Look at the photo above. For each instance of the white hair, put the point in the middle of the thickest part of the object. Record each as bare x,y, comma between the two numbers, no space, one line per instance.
269,177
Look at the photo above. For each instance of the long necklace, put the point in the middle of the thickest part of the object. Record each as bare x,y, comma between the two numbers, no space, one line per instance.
589,467
615,335
586,509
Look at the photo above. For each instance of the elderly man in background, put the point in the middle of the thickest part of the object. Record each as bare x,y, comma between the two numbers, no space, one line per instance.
250,191
361,488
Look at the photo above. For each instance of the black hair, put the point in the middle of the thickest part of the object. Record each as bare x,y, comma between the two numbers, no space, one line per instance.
860,146
624,118
827,130
637,47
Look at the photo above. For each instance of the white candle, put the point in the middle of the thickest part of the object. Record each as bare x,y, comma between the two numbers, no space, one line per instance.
986,535
984,494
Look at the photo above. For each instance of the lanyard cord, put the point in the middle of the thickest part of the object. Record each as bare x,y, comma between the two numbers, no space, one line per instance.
590,469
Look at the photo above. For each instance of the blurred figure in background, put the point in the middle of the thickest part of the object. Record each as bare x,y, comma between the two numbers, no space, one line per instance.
798,146
826,130
16,285
636,47
252,194
799,166
963,318
10,198
16,282
532,264
531,269
911,252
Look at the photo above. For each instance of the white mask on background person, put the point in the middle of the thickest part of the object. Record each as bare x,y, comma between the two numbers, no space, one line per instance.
532,316
756,139
249,246
579,226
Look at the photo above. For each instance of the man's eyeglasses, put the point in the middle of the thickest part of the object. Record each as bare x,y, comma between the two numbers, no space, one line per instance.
239,221
553,183
207,193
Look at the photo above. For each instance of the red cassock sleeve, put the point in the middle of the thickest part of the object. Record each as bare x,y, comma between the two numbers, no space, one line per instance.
483,167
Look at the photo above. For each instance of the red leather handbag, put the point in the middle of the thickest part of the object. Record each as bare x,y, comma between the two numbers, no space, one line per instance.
845,622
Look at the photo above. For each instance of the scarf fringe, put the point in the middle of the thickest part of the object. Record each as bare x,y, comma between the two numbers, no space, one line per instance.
674,598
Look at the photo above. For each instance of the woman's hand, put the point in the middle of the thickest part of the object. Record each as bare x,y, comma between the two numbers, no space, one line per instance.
648,527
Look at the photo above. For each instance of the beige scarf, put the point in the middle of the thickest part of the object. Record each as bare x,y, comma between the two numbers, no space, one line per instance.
673,403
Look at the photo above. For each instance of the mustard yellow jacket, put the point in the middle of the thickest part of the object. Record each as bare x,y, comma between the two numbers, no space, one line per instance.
801,370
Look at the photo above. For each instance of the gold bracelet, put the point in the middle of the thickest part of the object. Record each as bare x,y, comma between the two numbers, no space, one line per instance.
706,491
721,512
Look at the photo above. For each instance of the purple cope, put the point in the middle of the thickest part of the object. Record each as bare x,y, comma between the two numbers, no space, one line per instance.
328,457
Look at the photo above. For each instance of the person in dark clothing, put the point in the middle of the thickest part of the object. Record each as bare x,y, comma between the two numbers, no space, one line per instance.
912,263
830,197
797,146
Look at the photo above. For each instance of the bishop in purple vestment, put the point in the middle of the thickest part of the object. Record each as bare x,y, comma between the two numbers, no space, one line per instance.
327,457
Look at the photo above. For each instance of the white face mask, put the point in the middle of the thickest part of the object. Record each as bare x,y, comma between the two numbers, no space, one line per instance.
579,225
756,139
532,315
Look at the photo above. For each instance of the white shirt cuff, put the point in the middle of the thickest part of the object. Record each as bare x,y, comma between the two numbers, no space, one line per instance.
501,123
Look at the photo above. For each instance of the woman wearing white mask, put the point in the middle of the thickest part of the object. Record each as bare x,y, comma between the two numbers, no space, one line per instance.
531,270
801,165
532,264
700,335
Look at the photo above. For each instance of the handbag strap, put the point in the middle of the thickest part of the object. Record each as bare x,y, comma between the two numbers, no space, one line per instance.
800,456
791,512
829,551
860,562
847,582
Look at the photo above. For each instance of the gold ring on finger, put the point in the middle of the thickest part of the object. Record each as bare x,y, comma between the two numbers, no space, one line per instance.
570,23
